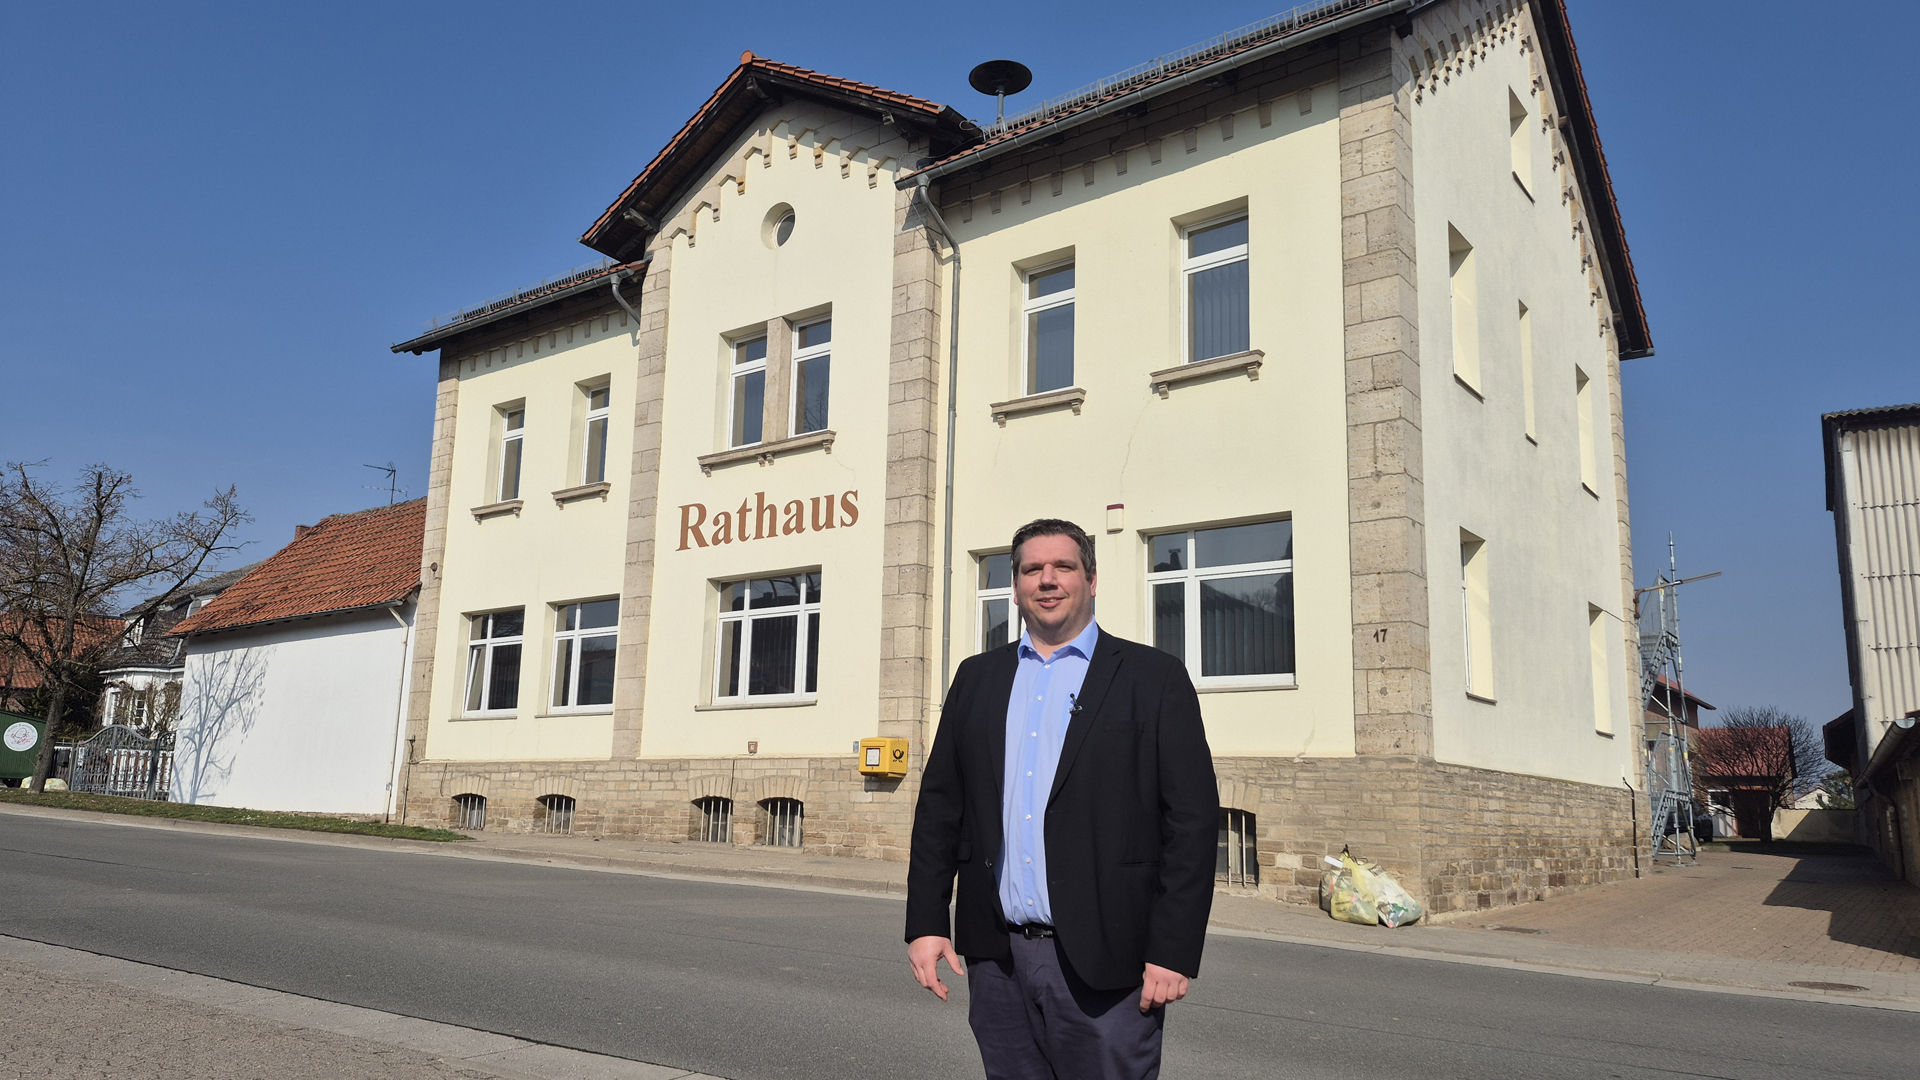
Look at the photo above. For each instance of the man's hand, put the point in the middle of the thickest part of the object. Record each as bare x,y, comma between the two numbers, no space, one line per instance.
1161,985
924,955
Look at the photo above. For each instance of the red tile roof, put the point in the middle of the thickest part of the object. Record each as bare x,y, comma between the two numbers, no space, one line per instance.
347,561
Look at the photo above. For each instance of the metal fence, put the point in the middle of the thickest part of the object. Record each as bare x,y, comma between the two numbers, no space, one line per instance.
121,761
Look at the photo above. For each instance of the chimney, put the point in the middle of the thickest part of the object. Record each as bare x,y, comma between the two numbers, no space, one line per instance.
301,530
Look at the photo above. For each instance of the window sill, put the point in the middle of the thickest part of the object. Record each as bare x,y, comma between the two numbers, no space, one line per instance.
1588,488
1533,440
1523,188
584,491
1242,688
1482,698
774,703
1603,734
509,714
1071,396
1469,387
510,506
570,714
1166,379
765,452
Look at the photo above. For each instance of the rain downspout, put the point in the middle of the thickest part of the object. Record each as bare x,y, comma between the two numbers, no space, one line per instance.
618,277
399,706
953,412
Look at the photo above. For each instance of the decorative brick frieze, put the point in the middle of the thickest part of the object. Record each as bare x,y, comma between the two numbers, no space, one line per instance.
1174,118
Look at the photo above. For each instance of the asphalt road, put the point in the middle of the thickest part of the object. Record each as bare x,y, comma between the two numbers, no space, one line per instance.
762,984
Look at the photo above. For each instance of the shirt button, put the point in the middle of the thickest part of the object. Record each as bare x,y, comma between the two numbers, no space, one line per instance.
1029,817
1029,903
1029,774
1029,860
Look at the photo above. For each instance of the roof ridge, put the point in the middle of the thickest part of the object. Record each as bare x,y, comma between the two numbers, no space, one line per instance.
369,510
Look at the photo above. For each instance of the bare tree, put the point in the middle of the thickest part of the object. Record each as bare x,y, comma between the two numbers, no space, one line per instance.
1762,747
68,556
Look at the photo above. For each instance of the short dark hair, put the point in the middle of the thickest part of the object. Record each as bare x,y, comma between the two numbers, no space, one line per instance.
1054,527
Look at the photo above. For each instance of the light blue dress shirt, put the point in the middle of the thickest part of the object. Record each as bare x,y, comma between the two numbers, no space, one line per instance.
1038,711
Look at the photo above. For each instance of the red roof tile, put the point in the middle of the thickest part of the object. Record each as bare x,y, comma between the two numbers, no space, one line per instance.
345,562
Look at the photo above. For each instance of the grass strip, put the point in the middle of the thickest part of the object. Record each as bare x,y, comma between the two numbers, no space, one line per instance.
223,815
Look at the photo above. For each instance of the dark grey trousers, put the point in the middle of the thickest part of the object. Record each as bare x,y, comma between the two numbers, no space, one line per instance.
1035,1020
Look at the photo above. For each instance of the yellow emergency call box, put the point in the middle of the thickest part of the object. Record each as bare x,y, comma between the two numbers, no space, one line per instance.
883,757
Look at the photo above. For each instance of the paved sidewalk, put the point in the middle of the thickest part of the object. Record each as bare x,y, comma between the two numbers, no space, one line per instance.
1740,920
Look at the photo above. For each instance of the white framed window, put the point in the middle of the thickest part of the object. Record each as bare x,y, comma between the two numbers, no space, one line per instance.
1520,139
1214,265
512,446
1223,602
1237,858
1476,615
812,375
749,397
583,651
1048,307
1583,408
594,460
780,822
493,661
999,617
1463,293
1602,670
1526,373
713,819
470,812
769,640
557,813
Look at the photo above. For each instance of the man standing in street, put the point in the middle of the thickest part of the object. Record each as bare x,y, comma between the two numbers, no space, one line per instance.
1071,789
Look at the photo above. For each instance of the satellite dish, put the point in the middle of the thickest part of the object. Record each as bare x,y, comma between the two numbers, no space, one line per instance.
1000,78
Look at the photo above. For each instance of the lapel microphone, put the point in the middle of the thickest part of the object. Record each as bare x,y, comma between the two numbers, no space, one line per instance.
1075,709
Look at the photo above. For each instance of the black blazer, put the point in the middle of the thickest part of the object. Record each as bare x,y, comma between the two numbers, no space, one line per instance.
1132,821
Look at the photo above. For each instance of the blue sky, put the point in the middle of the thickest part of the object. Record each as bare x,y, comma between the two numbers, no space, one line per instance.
218,217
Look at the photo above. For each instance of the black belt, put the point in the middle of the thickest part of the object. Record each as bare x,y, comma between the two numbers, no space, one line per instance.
1030,930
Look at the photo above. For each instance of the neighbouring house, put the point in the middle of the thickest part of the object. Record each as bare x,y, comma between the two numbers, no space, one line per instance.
1349,287
1873,492
294,676
140,682
20,679
1744,773
1670,701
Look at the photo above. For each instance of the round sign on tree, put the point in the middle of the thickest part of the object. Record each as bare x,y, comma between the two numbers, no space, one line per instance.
21,737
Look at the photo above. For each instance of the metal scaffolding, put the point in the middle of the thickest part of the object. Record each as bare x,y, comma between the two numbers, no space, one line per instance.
1669,776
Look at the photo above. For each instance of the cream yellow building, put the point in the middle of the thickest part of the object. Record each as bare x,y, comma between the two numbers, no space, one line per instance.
1318,329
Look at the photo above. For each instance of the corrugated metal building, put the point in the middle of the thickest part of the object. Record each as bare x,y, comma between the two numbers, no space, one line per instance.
1873,490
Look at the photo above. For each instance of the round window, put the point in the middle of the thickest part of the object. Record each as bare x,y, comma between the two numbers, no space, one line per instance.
778,225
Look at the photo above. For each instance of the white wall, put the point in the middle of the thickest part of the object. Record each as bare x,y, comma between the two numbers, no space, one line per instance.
1552,544
294,716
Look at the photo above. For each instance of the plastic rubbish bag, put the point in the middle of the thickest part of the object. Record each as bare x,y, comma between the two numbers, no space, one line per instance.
1357,891
1345,899
1392,904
